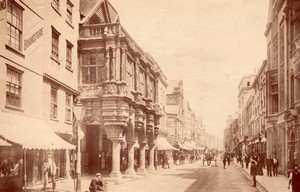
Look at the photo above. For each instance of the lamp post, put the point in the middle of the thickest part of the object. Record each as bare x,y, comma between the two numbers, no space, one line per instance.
79,112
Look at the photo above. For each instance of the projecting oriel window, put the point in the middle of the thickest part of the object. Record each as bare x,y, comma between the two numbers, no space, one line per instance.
14,26
93,68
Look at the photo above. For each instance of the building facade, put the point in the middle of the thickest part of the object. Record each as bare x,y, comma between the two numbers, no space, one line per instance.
118,82
38,63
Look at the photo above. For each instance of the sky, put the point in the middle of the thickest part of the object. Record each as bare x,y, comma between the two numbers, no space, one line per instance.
209,44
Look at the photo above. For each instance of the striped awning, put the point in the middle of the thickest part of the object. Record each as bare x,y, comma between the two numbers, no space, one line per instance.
30,133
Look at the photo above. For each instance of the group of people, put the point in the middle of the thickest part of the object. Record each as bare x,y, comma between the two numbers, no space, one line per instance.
226,158
272,166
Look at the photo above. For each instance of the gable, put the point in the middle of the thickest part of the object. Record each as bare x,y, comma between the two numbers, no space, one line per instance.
103,12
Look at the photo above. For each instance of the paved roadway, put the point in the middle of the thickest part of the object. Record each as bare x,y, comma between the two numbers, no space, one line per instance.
190,178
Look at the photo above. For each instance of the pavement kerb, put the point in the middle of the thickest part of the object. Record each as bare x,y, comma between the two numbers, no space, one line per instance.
258,184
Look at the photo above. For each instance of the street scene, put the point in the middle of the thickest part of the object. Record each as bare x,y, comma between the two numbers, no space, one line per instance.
139,95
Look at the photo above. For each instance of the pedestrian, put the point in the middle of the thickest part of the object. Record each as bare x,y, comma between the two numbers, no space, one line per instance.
224,160
269,166
294,179
275,165
228,159
49,171
166,160
253,173
109,162
97,184
247,160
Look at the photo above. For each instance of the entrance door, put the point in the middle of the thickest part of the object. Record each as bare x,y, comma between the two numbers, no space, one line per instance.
92,147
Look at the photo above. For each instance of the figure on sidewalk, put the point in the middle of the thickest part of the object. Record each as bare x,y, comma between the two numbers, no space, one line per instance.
228,159
253,173
247,160
275,165
49,171
269,166
97,184
224,160
294,179
166,161
109,162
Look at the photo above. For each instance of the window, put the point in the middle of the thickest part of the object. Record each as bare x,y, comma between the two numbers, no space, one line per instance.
14,26
68,108
142,82
69,55
274,64
69,12
130,74
55,4
297,89
13,88
93,68
274,97
151,89
53,103
55,44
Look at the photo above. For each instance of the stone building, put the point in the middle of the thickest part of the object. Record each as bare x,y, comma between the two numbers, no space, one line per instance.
38,82
118,82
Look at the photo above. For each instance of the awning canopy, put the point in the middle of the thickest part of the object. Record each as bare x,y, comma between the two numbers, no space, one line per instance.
187,146
4,143
163,144
31,133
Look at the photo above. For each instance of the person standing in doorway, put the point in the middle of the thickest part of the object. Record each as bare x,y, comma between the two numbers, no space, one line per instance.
50,171
294,179
253,173
275,165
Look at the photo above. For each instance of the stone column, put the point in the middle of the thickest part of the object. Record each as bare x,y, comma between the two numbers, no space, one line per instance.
118,61
116,147
142,166
107,65
130,172
151,168
67,164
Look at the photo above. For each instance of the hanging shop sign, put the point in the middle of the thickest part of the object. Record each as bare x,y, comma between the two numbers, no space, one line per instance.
28,42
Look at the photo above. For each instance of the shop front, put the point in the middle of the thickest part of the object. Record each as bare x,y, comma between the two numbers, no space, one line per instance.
31,141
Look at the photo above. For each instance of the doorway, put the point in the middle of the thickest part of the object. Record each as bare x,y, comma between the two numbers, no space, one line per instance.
92,143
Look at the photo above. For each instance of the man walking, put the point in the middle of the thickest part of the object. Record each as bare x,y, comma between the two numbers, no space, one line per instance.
269,166
275,165
253,173
294,179
247,160
50,171
224,160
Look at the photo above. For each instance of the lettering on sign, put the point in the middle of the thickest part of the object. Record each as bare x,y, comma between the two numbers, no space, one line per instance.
2,4
28,42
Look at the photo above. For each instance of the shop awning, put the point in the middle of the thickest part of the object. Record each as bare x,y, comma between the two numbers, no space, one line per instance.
4,143
31,133
187,146
163,144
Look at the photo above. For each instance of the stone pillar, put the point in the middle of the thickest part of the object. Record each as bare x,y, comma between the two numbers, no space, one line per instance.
142,166
107,65
130,172
118,61
151,168
67,164
116,147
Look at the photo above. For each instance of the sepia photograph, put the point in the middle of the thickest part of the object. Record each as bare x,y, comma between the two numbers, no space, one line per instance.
149,95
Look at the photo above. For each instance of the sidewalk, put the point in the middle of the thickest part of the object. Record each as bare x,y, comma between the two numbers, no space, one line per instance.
68,185
265,183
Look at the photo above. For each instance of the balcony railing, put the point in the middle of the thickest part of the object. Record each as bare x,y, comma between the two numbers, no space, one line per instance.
99,30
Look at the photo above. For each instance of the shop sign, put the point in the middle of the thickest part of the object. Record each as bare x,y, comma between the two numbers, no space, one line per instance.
28,42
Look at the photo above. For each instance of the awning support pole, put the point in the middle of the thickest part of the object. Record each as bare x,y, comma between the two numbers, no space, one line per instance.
25,172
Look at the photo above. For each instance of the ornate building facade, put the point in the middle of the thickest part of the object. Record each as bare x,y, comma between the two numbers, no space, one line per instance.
118,82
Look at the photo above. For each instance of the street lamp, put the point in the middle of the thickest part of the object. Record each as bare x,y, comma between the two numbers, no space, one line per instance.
79,112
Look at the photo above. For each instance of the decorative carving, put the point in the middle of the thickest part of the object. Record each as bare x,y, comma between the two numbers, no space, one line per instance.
114,132
110,88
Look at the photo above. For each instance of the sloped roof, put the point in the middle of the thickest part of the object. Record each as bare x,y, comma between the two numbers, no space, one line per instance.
101,9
